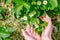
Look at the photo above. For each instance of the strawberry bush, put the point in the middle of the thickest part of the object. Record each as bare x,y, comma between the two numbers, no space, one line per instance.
15,14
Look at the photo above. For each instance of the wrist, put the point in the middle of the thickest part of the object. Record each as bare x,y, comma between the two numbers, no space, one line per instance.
50,23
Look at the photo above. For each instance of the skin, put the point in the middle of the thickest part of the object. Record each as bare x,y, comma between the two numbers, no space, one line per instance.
30,34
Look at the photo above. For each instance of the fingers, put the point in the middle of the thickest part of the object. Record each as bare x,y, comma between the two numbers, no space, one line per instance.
35,35
24,33
47,15
28,30
43,18
46,18
32,30
26,36
32,33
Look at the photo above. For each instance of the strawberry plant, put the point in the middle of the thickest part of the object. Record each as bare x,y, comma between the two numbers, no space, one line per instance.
22,12
29,11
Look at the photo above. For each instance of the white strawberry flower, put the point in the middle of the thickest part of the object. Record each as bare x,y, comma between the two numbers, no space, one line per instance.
24,18
36,26
39,3
45,2
32,14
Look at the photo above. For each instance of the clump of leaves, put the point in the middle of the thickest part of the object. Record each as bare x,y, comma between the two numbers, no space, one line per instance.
5,32
29,11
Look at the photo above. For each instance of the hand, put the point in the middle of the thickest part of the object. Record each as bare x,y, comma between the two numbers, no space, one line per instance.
30,34
45,18
46,34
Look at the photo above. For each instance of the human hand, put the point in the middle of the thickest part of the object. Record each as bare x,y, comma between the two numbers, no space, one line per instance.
45,18
46,34
30,34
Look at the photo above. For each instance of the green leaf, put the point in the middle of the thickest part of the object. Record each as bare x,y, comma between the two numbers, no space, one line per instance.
7,1
18,8
39,30
26,5
6,39
18,14
44,24
1,17
42,7
2,30
37,13
10,29
58,4
18,1
2,10
4,35
53,4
